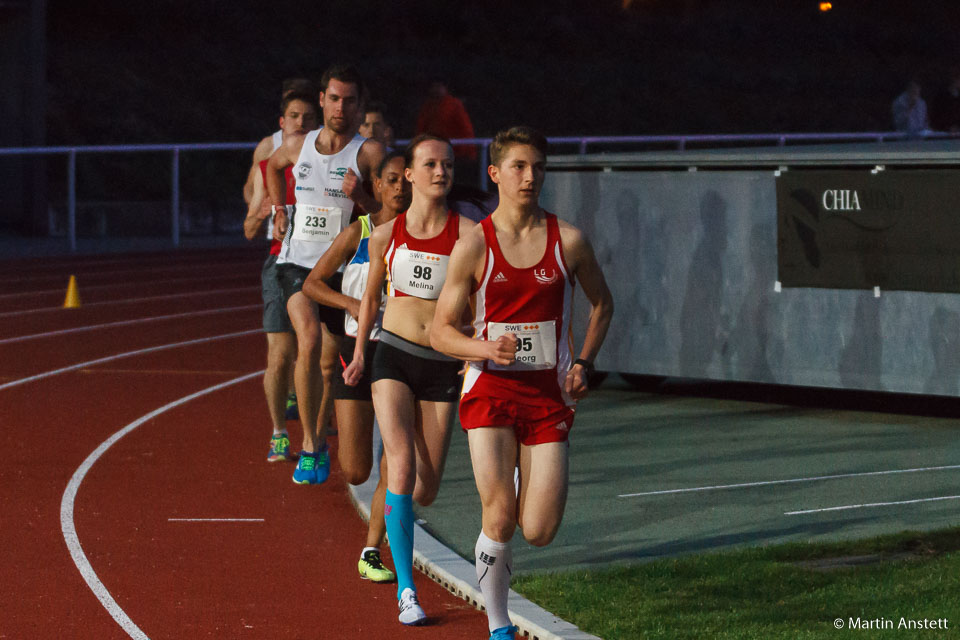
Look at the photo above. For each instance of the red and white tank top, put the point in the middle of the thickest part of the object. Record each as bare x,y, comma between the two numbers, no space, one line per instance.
418,267
291,198
534,304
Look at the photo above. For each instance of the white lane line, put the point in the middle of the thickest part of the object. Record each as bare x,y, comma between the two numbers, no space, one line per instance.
52,263
788,481
215,520
192,294
166,267
69,529
173,345
870,505
122,323
120,285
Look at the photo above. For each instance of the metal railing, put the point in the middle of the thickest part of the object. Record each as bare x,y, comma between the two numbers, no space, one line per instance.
582,143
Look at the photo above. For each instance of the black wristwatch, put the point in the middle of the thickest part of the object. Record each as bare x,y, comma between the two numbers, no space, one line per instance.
586,364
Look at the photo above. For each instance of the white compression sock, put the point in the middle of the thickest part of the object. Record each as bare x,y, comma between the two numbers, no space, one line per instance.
494,566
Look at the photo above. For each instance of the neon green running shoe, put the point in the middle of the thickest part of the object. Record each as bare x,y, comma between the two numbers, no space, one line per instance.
279,448
371,567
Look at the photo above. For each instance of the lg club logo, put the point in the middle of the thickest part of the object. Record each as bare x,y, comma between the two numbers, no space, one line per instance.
543,278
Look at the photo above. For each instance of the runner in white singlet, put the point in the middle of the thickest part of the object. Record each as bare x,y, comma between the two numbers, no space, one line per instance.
329,165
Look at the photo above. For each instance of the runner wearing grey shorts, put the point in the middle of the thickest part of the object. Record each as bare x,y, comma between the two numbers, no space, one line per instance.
275,318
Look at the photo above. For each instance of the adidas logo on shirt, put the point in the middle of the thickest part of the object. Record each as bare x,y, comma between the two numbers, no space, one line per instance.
500,277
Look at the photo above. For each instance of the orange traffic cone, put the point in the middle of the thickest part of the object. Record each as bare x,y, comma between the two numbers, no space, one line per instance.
72,301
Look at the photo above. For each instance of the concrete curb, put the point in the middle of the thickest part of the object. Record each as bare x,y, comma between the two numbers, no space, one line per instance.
459,577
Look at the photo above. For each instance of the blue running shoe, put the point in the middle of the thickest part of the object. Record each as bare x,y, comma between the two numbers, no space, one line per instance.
293,411
504,633
323,466
306,471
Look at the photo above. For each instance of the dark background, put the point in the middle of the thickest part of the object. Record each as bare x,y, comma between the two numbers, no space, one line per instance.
175,71
170,71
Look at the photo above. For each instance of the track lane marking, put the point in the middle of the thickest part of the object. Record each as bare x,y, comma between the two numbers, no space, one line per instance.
870,505
215,520
162,267
767,483
134,300
164,372
81,365
119,285
123,323
69,529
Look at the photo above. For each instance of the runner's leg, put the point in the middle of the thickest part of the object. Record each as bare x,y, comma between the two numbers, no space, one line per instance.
306,324
493,453
543,490
281,351
355,449
396,414
329,353
434,426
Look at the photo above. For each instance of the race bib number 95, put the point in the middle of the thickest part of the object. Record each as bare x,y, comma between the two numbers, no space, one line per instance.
536,344
316,224
418,273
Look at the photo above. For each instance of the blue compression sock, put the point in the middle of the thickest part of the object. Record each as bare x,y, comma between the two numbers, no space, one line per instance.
398,515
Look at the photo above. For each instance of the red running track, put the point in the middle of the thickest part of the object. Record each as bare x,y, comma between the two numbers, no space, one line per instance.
287,570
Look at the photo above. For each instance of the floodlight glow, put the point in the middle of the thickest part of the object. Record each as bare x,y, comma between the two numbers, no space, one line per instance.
826,6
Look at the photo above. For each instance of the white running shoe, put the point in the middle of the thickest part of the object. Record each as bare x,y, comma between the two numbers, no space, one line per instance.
410,611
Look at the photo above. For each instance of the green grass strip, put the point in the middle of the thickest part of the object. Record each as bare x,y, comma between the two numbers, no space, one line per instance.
905,585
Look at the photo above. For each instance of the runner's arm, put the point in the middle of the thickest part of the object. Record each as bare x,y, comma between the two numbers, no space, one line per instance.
282,158
261,153
315,286
445,335
368,159
258,210
583,264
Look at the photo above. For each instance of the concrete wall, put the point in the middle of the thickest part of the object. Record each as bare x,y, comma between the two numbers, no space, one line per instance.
691,258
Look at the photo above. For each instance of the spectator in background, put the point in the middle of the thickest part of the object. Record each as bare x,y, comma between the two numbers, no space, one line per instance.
910,111
445,116
945,108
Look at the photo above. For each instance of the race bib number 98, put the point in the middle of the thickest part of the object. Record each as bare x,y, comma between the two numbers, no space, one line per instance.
418,273
536,344
316,224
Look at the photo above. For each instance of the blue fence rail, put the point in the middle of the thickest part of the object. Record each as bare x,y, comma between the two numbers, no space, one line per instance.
582,144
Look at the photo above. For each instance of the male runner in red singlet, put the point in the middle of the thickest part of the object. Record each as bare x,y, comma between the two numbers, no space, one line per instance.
299,115
521,387
271,143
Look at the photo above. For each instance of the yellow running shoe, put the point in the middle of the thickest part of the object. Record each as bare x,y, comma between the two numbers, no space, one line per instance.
371,567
